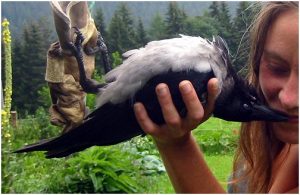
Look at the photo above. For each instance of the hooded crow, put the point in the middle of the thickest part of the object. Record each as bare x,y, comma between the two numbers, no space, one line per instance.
166,61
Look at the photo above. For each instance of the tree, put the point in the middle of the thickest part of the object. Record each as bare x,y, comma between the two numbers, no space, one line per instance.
244,17
101,27
219,12
115,31
214,9
200,26
157,30
175,18
30,65
225,26
142,38
122,36
224,16
99,22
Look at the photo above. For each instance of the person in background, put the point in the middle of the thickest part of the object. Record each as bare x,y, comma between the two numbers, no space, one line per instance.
266,160
68,107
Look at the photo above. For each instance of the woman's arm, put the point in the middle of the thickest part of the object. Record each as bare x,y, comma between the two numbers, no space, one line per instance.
181,155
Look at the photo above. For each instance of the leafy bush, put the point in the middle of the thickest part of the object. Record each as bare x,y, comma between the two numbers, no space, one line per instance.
34,127
217,142
147,158
44,98
216,136
91,98
99,170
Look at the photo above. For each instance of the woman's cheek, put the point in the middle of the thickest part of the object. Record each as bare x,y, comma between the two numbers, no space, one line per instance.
270,86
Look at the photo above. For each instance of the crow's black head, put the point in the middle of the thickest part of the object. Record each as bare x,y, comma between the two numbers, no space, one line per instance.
238,101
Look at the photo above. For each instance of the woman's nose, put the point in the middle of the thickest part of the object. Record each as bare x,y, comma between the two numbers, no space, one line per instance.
289,95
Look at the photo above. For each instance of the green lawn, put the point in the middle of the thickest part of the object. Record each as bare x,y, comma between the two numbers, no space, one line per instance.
221,166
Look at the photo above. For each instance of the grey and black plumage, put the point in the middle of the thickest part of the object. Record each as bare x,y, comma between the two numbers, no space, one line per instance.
167,61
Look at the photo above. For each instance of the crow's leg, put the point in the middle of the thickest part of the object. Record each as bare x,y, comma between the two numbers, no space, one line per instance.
104,53
101,46
88,85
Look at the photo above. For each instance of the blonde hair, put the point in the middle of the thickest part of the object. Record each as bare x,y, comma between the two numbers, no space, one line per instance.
258,145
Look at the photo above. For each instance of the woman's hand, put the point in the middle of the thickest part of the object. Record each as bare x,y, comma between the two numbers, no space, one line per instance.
177,130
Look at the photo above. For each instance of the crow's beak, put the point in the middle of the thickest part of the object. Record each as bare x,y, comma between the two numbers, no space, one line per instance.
262,112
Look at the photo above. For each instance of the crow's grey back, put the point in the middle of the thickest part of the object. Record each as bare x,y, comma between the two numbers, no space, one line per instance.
157,57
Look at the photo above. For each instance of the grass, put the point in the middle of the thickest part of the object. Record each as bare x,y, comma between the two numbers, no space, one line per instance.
221,167
213,124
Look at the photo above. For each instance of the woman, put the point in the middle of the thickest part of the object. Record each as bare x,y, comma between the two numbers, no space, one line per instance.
267,156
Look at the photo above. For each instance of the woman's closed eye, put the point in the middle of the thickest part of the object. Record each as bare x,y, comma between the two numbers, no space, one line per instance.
278,70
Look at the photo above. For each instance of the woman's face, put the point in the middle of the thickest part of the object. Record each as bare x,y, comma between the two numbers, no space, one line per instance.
278,73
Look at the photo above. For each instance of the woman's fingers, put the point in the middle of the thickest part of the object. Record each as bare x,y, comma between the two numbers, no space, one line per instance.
169,110
176,126
194,108
143,119
213,92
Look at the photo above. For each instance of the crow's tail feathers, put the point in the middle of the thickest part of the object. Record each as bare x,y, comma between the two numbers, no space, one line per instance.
60,146
105,126
42,145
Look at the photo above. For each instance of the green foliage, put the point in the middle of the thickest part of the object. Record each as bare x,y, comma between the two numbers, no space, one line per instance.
216,136
147,156
101,27
157,30
14,178
6,102
98,170
217,142
99,22
142,38
30,59
241,24
221,166
91,98
44,98
130,167
200,26
117,60
35,127
174,20
122,36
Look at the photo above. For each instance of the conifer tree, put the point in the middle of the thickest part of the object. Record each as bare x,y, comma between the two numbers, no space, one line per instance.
101,27
30,70
99,22
157,29
175,18
244,17
121,30
200,26
142,38
214,9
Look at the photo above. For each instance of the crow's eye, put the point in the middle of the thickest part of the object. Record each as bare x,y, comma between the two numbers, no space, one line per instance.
246,107
253,98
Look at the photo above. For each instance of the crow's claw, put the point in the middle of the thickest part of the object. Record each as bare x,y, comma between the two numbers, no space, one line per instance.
79,38
104,53
101,44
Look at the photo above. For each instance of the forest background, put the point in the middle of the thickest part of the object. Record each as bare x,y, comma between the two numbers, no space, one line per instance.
124,26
